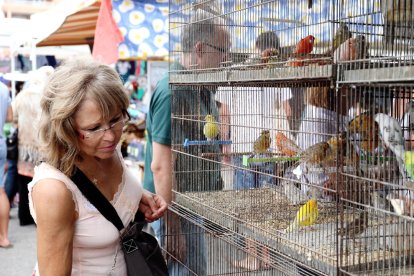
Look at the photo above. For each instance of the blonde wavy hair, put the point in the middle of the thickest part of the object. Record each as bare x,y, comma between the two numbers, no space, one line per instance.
67,88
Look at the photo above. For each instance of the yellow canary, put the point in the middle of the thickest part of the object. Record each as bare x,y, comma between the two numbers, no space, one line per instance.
262,143
306,215
211,129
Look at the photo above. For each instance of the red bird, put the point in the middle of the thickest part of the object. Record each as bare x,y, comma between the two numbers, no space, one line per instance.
305,45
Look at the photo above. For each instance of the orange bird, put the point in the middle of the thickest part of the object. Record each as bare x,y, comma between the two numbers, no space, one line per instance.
305,45
286,146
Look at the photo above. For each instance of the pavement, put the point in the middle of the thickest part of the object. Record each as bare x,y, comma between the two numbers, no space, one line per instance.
20,259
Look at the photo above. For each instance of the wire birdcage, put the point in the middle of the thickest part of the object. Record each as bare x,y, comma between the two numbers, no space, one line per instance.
279,113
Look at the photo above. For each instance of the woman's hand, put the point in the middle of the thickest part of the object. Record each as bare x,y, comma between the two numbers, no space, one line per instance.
152,206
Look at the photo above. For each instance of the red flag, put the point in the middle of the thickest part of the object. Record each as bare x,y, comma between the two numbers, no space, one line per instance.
107,35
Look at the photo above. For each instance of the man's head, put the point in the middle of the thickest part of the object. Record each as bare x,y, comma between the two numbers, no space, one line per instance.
206,43
267,40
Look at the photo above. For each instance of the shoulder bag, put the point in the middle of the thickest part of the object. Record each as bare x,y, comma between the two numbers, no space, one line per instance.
142,252
11,142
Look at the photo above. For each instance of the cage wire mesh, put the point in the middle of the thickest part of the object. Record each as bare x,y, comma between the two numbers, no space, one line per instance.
376,183
291,136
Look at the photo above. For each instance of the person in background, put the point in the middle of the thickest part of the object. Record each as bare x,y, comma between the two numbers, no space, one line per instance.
26,109
6,115
319,123
10,184
205,45
84,109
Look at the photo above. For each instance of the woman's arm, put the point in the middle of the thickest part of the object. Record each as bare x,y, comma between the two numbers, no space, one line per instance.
55,217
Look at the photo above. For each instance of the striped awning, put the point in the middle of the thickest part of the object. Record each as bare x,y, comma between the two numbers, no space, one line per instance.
75,23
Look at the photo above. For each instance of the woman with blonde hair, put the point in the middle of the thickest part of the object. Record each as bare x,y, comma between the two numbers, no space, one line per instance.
84,109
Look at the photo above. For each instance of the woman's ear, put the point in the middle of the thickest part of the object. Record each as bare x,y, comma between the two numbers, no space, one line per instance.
198,47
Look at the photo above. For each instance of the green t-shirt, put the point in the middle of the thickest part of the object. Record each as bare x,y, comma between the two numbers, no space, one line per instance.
190,105
158,126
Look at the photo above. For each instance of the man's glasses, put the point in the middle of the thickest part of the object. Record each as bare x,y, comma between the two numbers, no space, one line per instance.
99,133
220,49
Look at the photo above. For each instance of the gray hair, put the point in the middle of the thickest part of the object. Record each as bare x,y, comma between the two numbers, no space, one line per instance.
201,28
267,40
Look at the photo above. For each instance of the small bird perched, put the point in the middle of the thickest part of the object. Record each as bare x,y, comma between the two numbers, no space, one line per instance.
356,227
342,34
367,129
409,163
262,143
305,45
392,136
408,120
286,146
269,55
306,215
211,129
322,152
352,49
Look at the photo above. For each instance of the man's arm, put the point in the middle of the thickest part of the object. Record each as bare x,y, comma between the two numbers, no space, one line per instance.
161,167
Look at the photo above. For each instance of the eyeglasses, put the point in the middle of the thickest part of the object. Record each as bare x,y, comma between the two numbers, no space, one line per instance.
99,133
220,49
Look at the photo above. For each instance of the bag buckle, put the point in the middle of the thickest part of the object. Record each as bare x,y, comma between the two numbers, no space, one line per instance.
130,246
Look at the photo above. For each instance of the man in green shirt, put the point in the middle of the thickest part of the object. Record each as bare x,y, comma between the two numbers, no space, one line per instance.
204,45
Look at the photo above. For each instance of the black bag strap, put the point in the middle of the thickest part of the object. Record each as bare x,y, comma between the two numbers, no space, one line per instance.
92,193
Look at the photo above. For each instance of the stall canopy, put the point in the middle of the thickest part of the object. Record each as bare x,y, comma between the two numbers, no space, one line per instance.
143,24
71,23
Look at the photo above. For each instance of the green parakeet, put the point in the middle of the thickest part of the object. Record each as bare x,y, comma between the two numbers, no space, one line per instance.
409,163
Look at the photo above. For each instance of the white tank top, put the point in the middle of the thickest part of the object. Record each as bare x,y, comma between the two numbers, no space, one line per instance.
96,247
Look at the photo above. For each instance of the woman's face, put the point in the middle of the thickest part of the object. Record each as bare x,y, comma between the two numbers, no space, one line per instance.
97,137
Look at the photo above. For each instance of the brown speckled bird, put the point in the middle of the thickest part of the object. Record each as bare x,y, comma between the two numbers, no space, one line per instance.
368,130
355,227
269,55
262,143
322,153
341,35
